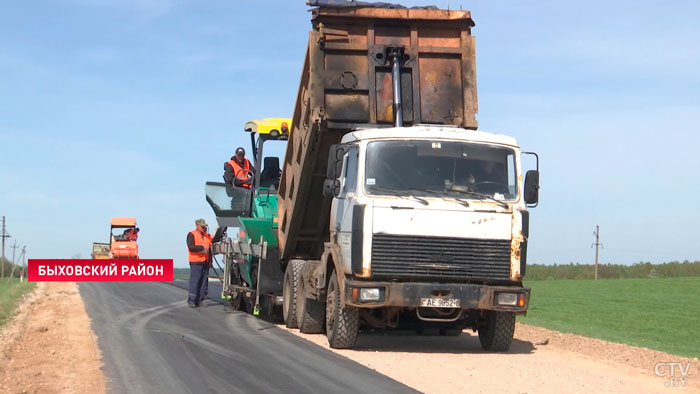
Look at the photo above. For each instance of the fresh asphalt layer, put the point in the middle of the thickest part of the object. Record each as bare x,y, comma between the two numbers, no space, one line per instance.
152,342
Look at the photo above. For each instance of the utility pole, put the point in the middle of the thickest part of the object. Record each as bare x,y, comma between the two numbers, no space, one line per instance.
13,264
12,273
3,235
14,248
596,244
24,260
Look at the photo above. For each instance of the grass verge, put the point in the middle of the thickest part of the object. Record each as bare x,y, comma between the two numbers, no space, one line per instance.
660,314
10,295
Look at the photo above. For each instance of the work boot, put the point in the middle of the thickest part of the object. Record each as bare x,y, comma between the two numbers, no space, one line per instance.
203,304
192,304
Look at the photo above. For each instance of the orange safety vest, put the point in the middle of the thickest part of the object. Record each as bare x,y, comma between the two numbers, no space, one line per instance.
239,173
199,239
131,235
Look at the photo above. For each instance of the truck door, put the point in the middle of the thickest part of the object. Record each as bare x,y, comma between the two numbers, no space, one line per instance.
345,202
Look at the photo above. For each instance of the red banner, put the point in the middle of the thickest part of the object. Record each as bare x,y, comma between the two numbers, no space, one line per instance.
114,270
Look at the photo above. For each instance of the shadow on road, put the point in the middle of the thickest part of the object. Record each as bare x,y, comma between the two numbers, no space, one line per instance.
398,341
214,299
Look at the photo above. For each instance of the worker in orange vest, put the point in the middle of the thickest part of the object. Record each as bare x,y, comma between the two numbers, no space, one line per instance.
199,245
132,234
238,171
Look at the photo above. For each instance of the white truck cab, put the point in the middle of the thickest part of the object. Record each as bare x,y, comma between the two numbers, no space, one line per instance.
419,184
431,219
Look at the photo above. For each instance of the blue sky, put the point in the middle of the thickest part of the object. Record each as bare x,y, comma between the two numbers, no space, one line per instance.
125,108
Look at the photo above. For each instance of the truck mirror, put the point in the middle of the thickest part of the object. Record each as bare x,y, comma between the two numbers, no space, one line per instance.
532,187
332,160
331,188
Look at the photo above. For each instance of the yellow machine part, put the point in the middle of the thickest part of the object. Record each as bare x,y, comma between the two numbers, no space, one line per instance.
279,126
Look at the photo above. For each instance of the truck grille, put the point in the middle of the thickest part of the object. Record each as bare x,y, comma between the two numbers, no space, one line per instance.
410,256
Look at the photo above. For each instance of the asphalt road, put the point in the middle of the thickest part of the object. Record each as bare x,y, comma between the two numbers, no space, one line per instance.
152,342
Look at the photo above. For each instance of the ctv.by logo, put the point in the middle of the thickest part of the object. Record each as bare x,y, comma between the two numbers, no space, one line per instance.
677,375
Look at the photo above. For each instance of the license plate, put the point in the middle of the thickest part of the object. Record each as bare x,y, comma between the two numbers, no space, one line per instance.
440,302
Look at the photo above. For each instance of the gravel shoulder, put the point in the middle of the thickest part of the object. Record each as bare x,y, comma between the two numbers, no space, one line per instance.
539,361
49,346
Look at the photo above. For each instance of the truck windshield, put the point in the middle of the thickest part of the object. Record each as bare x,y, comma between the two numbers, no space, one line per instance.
430,168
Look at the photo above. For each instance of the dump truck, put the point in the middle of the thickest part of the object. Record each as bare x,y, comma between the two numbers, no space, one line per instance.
392,210
100,251
121,244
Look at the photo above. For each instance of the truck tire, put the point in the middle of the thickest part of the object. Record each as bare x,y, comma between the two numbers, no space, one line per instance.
290,290
310,313
496,334
342,324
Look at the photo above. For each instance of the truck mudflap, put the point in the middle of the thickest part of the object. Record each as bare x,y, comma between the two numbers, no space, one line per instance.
363,294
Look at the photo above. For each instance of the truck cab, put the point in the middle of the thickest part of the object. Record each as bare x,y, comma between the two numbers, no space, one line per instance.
411,184
429,225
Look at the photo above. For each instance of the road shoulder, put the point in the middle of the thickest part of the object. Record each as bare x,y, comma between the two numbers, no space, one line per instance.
49,346
539,360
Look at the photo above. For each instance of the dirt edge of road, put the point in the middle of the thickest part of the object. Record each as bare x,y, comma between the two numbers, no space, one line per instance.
49,346
540,360
633,356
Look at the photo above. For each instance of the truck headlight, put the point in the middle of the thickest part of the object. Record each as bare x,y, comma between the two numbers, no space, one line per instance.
507,299
369,294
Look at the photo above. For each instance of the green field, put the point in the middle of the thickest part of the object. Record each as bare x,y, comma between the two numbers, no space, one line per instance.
181,273
184,273
10,295
661,314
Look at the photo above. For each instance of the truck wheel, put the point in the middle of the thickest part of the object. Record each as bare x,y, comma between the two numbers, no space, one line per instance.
342,324
497,333
310,313
290,289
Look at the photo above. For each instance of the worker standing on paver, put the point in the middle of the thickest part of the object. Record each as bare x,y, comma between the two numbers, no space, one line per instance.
238,171
199,246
